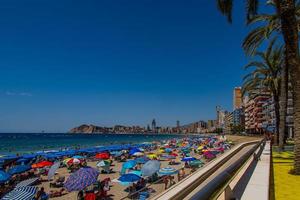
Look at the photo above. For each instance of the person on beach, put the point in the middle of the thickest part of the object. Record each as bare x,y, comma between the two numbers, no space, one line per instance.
172,181
80,195
166,181
181,174
41,195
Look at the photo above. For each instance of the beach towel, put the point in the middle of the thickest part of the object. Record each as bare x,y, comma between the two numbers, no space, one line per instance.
90,196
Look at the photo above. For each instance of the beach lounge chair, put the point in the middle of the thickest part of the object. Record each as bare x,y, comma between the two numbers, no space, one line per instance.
144,195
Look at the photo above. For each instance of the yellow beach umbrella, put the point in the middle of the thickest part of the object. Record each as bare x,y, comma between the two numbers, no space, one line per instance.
200,148
152,156
65,161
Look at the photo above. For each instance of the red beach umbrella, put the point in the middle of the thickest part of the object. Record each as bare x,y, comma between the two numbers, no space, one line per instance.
42,164
103,156
74,161
174,154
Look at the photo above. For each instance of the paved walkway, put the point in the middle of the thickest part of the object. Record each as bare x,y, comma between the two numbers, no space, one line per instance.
258,185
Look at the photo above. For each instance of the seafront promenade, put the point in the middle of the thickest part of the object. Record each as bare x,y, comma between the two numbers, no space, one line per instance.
228,176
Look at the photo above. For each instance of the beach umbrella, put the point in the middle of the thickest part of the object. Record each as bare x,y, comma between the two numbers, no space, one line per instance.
196,163
168,156
142,160
42,164
167,171
103,156
21,193
174,154
152,156
137,172
134,150
129,164
103,163
27,182
4,176
65,161
52,170
22,160
138,154
19,169
188,159
129,178
78,157
150,167
73,161
116,153
81,179
168,150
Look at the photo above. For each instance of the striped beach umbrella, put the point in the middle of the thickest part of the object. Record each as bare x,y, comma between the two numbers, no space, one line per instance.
81,179
27,182
21,193
167,171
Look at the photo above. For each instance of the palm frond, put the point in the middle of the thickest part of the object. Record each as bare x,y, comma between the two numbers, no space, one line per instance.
225,6
251,8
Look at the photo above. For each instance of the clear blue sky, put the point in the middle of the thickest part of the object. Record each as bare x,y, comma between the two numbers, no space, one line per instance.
64,63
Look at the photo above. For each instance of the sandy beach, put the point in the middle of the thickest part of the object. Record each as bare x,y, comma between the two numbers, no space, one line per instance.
117,190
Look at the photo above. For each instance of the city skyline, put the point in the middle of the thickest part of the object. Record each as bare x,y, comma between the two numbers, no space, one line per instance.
115,63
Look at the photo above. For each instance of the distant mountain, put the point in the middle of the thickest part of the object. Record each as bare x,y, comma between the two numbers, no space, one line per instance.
84,128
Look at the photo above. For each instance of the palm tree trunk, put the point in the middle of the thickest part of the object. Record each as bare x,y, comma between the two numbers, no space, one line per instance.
286,11
277,116
283,105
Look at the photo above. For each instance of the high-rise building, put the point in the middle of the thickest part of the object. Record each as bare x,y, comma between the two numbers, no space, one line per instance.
177,124
254,107
220,117
211,125
237,98
153,125
228,122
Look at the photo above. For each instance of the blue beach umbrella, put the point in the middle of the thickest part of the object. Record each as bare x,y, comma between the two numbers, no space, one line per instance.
167,171
129,178
81,179
78,157
137,172
142,160
4,176
150,167
22,160
21,193
168,150
29,156
133,151
188,159
19,169
129,164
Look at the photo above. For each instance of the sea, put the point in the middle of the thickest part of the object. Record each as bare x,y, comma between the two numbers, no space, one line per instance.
11,143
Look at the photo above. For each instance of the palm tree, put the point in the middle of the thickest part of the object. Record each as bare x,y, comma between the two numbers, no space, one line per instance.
270,27
286,10
266,74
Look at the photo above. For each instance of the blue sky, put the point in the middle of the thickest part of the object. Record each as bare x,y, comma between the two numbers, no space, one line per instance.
65,63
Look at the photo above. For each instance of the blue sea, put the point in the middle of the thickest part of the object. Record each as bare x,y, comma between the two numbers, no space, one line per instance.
31,142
